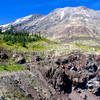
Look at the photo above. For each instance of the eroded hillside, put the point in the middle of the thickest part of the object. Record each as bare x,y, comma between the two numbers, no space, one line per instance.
72,76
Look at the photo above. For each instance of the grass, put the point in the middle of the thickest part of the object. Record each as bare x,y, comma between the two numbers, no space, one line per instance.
84,46
38,47
35,46
11,67
38,43
41,44
19,41
97,49
46,46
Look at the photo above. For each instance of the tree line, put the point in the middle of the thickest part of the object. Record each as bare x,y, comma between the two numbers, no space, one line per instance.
19,37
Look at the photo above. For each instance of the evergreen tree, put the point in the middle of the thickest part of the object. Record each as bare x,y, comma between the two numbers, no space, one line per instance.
0,31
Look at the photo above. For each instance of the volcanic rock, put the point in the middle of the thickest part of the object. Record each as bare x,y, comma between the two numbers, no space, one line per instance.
20,60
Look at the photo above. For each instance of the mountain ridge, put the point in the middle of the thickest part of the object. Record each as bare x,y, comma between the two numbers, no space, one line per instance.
61,22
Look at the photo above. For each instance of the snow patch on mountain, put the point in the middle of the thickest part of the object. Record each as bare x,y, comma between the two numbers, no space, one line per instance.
22,19
5,25
62,15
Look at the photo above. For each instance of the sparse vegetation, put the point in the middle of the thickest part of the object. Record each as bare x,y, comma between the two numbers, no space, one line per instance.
11,67
23,42
86,46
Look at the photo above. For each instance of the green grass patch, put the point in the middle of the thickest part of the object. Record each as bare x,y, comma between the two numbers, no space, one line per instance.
38,47
11,67
97,49
83,47
35,46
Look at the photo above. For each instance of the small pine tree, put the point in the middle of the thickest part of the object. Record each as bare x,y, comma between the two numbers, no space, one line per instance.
0,31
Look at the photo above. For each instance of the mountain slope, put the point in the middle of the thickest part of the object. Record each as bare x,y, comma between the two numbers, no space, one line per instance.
61,22
22,23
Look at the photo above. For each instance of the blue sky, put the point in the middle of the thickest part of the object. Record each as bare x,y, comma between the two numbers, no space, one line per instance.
10,10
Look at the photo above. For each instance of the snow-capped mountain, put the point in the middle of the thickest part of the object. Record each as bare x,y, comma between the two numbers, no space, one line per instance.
22,23
61,22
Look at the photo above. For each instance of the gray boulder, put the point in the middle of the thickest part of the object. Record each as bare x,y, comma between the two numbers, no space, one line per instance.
20,60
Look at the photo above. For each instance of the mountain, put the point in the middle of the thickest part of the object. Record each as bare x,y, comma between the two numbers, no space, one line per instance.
37,68
22,23
61,22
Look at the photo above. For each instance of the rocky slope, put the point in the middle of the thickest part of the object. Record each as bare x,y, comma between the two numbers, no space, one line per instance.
75,76
61,22
22,23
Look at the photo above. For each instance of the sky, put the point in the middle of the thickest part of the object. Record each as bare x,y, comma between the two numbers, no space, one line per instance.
10,10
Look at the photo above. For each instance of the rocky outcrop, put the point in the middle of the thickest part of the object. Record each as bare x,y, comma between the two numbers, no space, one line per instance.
75,76
75,72
19,58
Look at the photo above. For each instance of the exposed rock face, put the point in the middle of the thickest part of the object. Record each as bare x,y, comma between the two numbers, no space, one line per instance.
60,81
61,22
53,78
20,60
75,72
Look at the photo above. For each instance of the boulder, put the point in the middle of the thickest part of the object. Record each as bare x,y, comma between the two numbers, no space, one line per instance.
97,93
58,62
20,60
38,58
4,56
93,84
2,98
91,66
